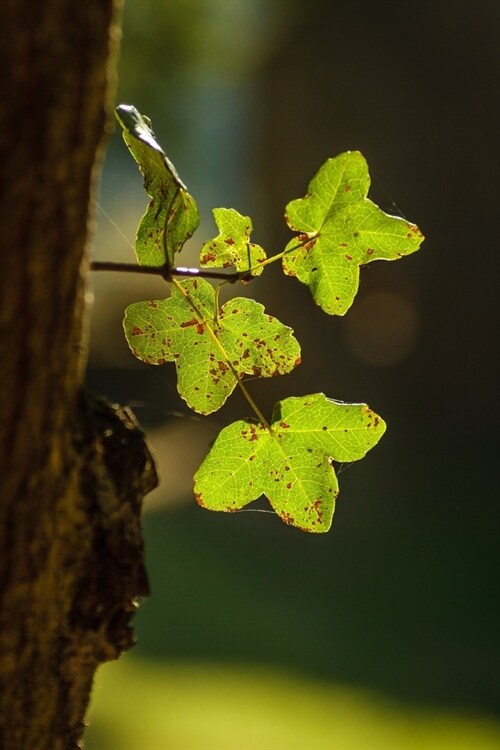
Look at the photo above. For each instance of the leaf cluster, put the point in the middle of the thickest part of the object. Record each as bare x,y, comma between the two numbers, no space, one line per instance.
337,228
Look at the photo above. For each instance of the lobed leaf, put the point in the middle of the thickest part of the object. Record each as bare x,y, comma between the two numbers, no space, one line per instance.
340,229
232,246
291,464
172,214
210,348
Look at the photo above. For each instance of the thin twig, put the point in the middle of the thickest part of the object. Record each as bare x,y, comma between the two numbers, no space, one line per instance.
165,272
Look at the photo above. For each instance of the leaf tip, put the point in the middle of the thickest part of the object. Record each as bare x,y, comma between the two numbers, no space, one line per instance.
374,421
199,499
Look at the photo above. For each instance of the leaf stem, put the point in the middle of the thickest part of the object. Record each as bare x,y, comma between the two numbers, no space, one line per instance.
167,215
217,309
213,335
278,256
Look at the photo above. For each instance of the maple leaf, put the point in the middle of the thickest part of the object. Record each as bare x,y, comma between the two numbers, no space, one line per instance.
172,214
211,349
340,229
232,246
290,463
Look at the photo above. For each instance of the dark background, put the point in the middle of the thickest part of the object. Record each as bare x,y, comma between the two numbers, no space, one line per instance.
402,595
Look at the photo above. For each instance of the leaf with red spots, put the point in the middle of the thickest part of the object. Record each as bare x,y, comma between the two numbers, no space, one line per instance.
340,229
291,463
232,246
172,214
210,349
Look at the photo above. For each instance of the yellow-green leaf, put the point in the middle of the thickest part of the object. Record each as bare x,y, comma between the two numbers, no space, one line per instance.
340,229
291,463
210,349
232,246
172,214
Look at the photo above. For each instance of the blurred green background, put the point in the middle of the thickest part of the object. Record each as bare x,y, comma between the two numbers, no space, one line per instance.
384,633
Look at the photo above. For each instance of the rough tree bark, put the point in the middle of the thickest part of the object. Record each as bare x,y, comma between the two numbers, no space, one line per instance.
73,472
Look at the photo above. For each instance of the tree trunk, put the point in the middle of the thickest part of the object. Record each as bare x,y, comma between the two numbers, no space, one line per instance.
73,471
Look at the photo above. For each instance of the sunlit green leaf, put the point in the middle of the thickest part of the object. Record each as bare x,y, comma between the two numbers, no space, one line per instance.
172,214
209,350
232,246
291,464
340,229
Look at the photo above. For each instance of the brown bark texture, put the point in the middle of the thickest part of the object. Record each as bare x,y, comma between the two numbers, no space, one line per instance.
73,471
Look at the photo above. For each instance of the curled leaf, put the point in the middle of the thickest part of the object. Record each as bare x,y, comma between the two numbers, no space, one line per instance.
172,214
